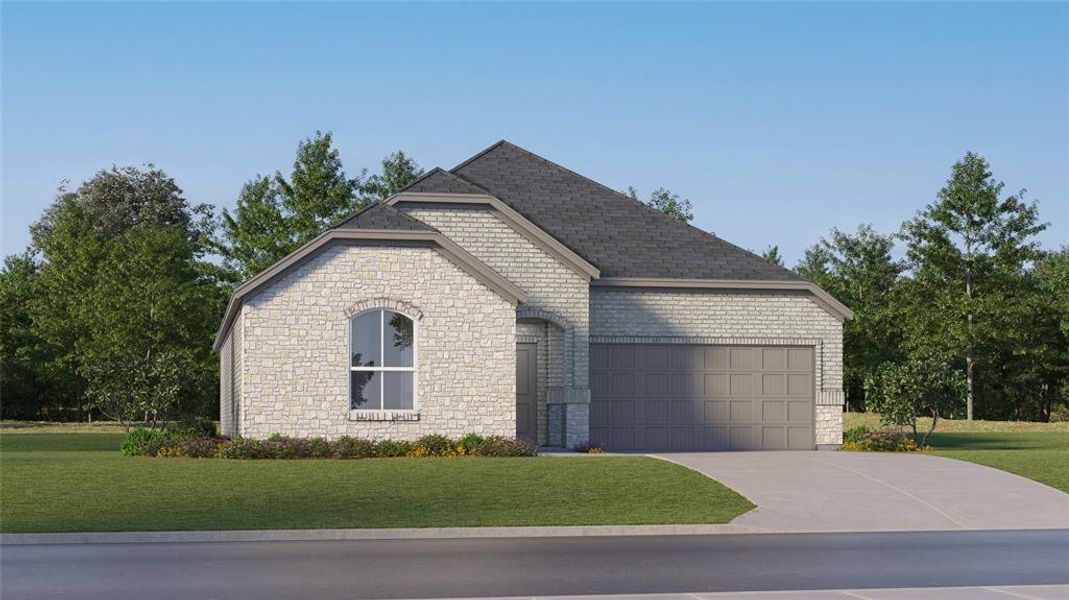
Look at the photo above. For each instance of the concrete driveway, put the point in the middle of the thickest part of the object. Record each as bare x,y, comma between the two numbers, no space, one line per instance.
856,491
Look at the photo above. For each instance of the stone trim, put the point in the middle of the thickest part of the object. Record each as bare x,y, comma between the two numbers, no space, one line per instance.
831,397
532,312
383,415
388,303
710,341
526,339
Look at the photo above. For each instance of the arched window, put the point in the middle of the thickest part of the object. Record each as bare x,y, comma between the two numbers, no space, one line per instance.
382,361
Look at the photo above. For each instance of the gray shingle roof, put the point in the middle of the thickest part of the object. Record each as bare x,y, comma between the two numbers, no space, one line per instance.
381,216
621,236
440,181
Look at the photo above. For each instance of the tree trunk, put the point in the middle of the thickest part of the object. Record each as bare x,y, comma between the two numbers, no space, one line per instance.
969,363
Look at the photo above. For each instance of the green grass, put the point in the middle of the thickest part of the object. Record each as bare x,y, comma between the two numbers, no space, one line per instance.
1038,451
79,482
1040,456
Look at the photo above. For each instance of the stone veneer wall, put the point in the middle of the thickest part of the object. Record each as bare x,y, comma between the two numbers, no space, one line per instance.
731,317
295,369
551,286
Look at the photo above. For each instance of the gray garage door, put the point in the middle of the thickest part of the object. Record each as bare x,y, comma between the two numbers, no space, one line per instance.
688,397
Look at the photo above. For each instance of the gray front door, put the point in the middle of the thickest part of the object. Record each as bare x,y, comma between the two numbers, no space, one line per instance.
527,392
695,397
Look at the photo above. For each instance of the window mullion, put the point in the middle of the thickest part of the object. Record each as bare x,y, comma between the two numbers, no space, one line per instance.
382,359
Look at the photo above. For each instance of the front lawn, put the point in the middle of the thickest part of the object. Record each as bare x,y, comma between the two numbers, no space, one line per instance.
1042,456
79,482
1038,451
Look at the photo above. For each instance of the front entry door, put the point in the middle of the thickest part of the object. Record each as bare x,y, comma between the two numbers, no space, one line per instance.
527,392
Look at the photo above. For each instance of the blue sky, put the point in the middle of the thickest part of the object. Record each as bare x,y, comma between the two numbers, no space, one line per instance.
778,121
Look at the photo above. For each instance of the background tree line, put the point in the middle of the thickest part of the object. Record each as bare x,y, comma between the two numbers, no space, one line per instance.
114,305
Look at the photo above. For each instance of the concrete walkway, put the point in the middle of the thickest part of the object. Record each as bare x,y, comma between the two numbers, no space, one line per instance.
860,491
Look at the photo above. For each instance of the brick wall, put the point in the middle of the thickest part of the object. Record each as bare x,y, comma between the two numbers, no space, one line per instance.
555,292
294,365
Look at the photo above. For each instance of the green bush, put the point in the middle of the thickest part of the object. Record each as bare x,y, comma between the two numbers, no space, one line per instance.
468,444
392,448
142,441
433,445
501,447
350,447
884,440
178,443
855,434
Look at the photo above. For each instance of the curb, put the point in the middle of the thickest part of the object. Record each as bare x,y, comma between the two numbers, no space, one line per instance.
307,535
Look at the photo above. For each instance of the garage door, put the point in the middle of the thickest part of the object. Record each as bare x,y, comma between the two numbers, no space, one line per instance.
690,397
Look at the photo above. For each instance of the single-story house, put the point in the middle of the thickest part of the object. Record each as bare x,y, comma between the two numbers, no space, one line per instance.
511,296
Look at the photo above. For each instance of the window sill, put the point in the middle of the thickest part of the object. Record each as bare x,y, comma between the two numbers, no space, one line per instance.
383,415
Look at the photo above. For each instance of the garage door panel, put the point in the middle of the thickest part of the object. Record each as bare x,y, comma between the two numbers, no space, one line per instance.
773,411
680,397
656,384
717,385
717,411
774,384
800,384
774,359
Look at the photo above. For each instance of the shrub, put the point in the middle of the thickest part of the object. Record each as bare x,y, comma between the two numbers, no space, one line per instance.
317,448
468,444
191,448
350,447
499,446
590,448
242,449
141,441
433,445
392,448
855,434
883,440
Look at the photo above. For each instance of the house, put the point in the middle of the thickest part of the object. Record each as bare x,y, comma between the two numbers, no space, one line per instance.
512,296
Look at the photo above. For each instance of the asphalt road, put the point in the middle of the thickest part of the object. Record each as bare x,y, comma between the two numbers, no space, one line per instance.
533,566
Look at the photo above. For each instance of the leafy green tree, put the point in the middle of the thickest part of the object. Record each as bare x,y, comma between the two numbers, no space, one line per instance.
115,200
966,253
904,391
150,300
668,203
398,170
859,270
772,255
276,215
128,389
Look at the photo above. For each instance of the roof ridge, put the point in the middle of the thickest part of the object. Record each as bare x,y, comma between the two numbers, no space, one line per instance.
381,204
446,173
617,193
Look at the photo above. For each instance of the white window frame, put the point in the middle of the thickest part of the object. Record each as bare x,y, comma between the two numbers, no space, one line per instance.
383,369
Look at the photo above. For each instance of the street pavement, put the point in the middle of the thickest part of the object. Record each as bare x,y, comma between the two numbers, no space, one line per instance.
463,568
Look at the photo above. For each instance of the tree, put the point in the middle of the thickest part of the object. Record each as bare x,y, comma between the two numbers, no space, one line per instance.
966,252
275,215
668,203
115,200
398,170
127,388
150,301
111,259
858,269
772,255
902,392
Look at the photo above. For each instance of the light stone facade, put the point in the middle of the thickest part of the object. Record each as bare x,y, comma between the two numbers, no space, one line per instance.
294,350
731,317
